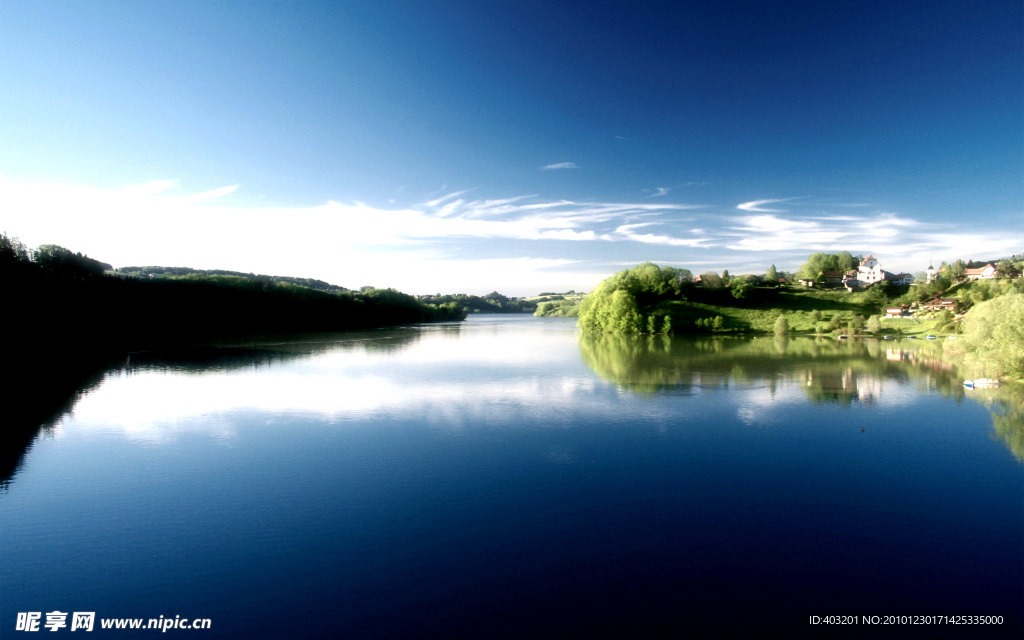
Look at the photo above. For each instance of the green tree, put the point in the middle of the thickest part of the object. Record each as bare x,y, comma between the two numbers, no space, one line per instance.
846,262
957,269
772,276
741,289
683,275
711,280
781,326
12,250
626,312
878,295
874,325
1006,269
815,315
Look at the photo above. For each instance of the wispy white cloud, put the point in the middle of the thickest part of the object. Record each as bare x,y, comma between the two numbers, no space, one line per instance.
449,196
560,165
758,205
659,191
628,232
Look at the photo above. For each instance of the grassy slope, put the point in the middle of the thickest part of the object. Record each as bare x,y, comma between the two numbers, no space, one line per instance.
564,305
926,324
795,304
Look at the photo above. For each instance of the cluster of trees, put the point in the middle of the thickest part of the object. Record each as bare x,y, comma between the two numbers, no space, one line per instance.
717,323
73,301
739,286
631,301
493,302
993,337
622,302
816,263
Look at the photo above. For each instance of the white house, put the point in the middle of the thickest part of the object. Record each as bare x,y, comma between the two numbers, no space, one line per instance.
984,272
869,272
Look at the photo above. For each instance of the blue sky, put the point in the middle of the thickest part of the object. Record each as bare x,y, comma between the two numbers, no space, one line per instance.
467,146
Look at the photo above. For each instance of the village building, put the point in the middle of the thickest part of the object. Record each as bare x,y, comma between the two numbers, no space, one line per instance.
902,311
940,304
899,278
869,272
986,271
833,277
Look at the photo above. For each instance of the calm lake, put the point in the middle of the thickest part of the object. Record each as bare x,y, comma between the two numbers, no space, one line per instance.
505,477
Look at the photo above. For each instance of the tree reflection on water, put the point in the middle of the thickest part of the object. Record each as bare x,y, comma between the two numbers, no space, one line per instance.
829,371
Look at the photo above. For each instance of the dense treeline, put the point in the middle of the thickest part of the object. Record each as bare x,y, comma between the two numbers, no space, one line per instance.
493,302
55,295
177,272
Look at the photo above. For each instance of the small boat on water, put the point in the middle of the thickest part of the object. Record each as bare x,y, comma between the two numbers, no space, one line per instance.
929,337
841,337
911,337
887,337
981,383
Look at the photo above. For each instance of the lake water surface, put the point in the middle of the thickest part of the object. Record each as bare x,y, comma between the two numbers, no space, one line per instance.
504,477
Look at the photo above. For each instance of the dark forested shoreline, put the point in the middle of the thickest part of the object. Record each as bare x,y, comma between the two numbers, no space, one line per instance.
59,297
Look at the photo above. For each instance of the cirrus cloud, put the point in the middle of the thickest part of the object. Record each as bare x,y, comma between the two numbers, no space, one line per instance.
560,165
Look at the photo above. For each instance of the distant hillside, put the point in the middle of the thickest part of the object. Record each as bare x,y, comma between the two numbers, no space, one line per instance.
493,302
172,272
